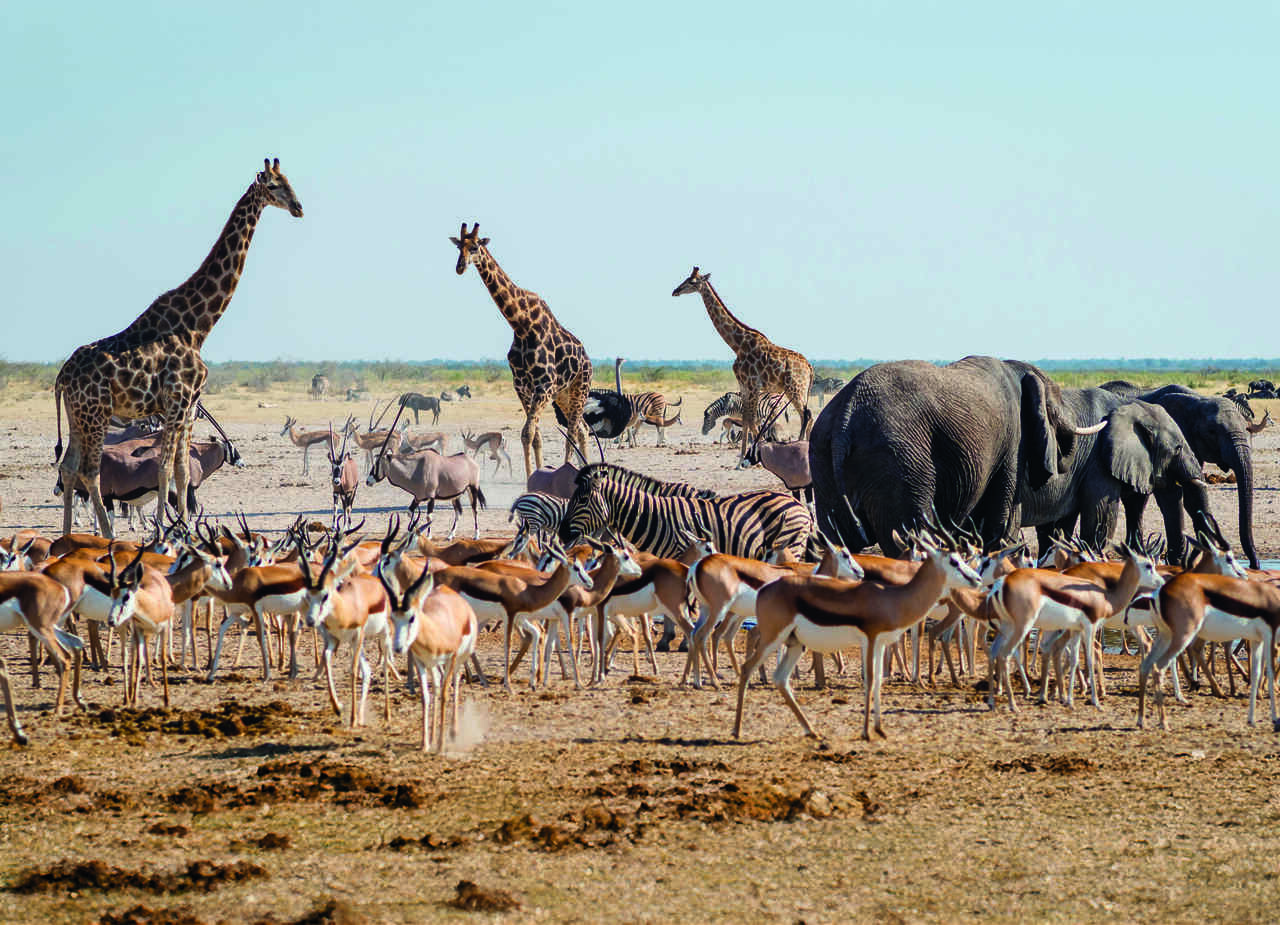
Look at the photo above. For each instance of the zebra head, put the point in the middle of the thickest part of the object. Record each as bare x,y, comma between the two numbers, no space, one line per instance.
588,512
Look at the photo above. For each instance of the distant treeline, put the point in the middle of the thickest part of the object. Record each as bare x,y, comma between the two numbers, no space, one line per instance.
383,376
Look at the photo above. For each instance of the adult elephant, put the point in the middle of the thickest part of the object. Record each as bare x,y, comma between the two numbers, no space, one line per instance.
1218,433
1141,452
908,440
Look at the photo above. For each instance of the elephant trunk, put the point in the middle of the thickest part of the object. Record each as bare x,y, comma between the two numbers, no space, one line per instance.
1239,459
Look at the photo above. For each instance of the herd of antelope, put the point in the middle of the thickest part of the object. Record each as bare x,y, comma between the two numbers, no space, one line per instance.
409,596
574,593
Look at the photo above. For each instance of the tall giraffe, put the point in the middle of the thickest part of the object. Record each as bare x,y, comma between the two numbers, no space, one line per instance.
760,365
153,366
547,362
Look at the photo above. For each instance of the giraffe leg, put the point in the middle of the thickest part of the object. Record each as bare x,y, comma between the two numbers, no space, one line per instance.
530,438
168,449
750,403
182,466
90,467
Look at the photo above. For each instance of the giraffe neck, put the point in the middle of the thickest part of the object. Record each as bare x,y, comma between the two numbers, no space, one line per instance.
194,307
507,294
733,331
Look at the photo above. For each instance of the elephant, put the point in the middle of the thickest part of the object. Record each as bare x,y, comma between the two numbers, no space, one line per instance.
1141,452
908,440
1217,433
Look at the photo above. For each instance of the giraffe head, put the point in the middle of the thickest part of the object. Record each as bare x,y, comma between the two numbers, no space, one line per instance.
272,181
694,283
468,245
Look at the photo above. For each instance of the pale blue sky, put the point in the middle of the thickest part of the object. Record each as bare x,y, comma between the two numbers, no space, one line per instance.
880,180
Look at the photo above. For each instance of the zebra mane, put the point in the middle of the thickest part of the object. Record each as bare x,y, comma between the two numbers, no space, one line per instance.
641,482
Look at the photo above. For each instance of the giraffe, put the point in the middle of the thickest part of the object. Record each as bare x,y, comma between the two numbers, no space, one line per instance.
547,362
760,365
153,366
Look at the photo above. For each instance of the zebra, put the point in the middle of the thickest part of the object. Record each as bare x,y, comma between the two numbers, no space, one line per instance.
730,403
539,512
749,524
649,408
629,478
822,385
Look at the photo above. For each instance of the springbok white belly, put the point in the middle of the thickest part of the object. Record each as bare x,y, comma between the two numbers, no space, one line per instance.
93,605
645,600
826,638
1220,626
486,611
1054,616
282,603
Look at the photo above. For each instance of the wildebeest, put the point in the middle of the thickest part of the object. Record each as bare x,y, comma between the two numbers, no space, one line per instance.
416,402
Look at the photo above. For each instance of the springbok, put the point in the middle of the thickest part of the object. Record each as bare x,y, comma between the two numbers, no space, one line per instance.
492,443
829,614
345,477
309,438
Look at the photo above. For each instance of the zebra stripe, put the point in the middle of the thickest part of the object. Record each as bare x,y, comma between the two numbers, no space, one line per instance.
730,403
750,524
539,511
631,479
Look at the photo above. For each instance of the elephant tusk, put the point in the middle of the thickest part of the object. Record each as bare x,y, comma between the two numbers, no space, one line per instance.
1085,431
1200,483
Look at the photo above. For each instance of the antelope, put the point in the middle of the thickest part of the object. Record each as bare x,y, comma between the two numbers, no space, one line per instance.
36,603
615,562
376,437
492,443
724,588
309,438
500,598
348,607
788,461
438,628
428,476
141,598
660,589
416,443
561,481
1214,608
1261,425
828,614
255,592
344,476
1062,601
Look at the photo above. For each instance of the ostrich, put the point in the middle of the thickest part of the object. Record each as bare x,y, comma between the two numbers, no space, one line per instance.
606,412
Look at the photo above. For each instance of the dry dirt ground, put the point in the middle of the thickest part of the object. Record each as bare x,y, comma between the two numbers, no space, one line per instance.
252,802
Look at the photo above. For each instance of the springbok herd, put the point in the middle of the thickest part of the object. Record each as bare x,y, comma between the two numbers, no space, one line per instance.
602,551
405,595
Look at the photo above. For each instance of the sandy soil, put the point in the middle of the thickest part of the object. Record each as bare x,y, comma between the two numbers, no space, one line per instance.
252,802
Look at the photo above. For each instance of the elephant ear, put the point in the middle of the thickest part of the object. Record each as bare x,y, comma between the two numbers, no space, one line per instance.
1126,447
1046,435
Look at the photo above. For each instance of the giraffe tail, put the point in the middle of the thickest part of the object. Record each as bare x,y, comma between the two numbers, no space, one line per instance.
57,404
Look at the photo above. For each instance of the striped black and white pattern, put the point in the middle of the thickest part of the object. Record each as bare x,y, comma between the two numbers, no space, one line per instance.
649,408
730,403
750,524
539,512
629,478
